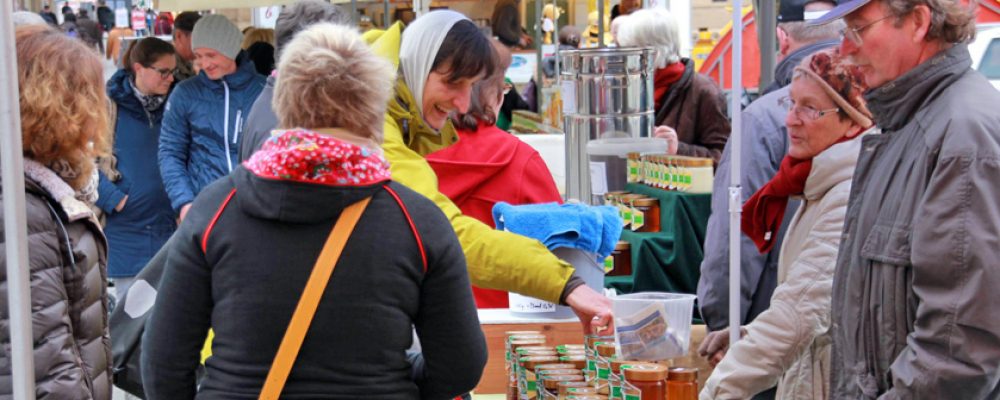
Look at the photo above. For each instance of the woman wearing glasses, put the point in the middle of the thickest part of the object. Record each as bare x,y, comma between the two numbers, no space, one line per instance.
789,344
139,217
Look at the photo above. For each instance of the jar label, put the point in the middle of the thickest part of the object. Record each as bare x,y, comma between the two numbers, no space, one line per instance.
609,264
603,373
627,216
637,396
616,392
638,219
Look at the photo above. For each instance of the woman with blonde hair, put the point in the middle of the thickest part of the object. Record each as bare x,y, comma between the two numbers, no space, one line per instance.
248,246
63,113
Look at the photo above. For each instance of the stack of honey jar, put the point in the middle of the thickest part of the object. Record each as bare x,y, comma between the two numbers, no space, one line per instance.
680,173
591,371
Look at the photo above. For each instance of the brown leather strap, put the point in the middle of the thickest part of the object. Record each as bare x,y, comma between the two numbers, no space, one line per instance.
306,309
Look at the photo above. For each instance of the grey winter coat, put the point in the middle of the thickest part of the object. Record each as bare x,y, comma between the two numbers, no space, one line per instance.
72,353
915,289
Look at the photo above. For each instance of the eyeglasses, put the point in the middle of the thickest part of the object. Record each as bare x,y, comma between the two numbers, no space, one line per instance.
805,112
164,72
854,34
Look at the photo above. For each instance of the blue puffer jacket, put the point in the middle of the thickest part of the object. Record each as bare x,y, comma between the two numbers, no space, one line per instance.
201,129
146,222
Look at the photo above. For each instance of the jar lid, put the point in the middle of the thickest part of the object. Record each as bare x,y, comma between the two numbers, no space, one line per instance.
586,397
557,372
701,162
520,333
578,361
563,347
645,372
593,340
530,362
554,366
683,374
517,344
616,365
552,381
622,245
522,352
606,349
645,201
573,352
576,388
522,349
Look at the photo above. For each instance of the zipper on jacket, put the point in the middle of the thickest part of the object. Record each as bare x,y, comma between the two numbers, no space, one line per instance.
238,128
225,128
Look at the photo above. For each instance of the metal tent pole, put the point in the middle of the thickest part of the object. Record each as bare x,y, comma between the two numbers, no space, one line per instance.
385,14
539,74
15,225
735,199
766,22
354,11
600,23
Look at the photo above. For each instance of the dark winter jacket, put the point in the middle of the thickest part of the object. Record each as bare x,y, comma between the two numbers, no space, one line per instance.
138,231
260,121
915,289
242,270
200,135
695,107
69,308
106,17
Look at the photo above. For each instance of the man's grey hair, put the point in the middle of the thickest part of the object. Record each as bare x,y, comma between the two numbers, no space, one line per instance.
22,18
298,16
951,21
652,27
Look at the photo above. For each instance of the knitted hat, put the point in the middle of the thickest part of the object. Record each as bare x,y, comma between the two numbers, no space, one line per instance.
217,33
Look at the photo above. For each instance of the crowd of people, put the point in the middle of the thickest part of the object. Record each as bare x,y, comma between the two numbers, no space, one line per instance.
228,162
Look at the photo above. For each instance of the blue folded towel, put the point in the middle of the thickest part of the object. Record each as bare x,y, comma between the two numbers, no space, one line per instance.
589,228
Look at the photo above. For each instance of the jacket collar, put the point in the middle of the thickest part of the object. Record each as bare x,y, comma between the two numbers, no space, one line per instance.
833,166
416,134
896,103
244,75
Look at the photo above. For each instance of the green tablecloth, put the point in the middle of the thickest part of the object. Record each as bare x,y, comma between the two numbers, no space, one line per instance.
669,260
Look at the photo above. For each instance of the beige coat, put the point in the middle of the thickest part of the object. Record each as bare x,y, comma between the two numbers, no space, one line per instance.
789,344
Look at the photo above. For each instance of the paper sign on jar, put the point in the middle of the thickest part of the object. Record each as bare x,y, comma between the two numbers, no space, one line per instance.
525,304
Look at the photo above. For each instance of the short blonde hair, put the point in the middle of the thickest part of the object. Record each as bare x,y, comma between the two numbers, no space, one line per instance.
652,27
64,108
255,35
328,77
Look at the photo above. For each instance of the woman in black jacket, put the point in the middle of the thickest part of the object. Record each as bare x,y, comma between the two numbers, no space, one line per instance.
250,241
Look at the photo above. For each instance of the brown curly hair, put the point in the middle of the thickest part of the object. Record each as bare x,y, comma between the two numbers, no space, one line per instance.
64,108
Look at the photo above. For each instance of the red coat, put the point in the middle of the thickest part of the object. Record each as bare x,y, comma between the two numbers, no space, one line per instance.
488,166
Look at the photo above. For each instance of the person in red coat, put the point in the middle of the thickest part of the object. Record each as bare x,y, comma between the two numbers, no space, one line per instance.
489,165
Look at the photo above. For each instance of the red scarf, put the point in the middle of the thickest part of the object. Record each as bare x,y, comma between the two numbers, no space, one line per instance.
764,211
665,78
310,157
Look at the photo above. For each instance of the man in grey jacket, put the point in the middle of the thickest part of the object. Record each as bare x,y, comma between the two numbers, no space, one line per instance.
261,119
915,288
765,144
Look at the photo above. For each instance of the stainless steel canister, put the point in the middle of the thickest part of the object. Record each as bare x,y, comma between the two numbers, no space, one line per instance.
606,93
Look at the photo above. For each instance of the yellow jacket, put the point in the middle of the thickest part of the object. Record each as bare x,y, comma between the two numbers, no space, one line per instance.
496,259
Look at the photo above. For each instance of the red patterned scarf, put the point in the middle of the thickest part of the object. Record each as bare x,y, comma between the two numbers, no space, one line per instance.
305,156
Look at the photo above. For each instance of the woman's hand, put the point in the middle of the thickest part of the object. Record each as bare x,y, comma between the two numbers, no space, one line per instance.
716,344
670,134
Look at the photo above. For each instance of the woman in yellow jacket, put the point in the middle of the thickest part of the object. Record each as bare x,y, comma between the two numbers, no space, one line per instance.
439,57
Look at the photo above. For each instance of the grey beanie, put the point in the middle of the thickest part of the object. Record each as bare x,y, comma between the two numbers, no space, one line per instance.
217,33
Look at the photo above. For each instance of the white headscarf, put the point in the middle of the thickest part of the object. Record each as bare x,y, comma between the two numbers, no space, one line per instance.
421,42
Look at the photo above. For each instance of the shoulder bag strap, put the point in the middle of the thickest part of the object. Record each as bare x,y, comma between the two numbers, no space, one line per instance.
309,301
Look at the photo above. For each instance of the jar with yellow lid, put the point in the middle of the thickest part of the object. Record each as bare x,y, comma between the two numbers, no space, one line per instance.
649,380
646,214
619,262
702,175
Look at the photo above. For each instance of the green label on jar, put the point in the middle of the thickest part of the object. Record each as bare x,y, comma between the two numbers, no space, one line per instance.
602,373
531,386
633,397
616,392
638,219
609,264
591,365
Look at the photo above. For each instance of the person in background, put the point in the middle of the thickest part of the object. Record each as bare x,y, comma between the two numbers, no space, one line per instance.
164,24
241,267
690,108
440,56
48,15
506,24
569,39
105,16
139,217
69,26
90,31
293,19
789,343
138,18
914,292
63,119
488,165
27,18
765,143
259,45
183,26
66,9
200,136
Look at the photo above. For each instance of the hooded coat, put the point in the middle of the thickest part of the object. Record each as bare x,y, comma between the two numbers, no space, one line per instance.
247,249
695,107
531,270
203,119
789,343
138,231
488,166
67,254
